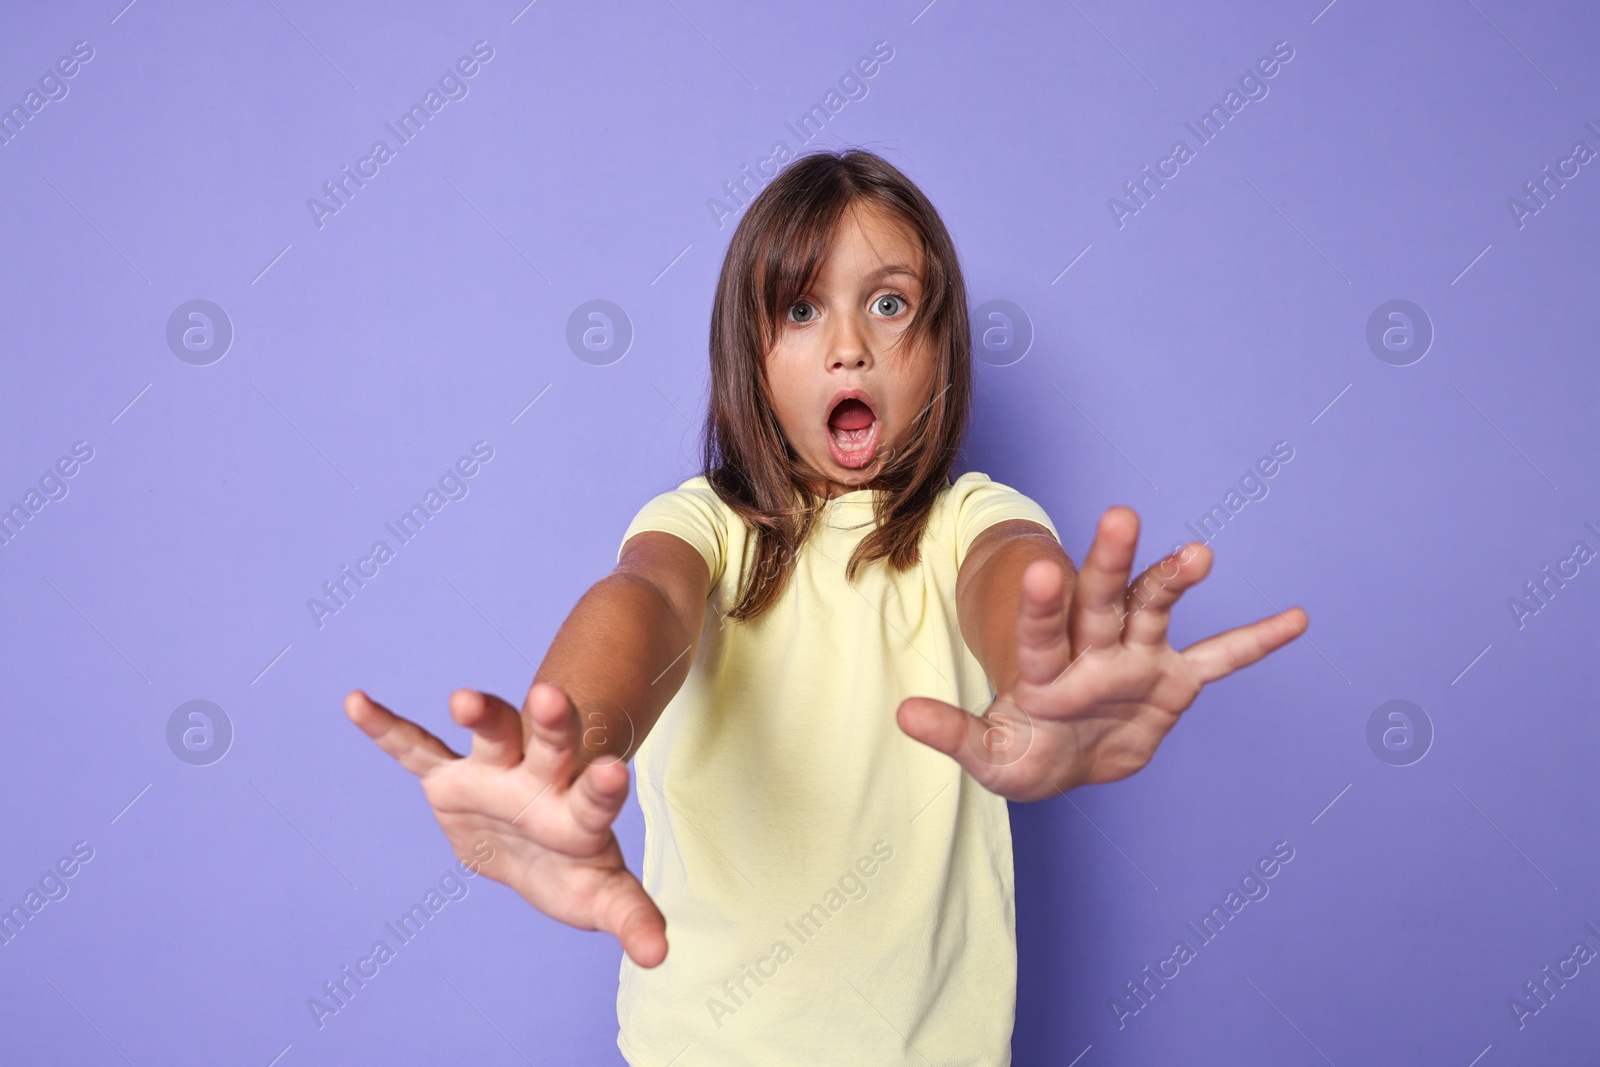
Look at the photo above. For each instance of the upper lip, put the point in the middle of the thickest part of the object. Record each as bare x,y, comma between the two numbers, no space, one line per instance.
852,394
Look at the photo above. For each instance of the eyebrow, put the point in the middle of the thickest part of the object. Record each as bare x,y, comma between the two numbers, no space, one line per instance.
892,268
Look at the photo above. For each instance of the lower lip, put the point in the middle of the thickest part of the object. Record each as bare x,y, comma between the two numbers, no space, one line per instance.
862,456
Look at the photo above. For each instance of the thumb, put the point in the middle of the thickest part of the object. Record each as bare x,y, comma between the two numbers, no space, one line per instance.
627,913
984,746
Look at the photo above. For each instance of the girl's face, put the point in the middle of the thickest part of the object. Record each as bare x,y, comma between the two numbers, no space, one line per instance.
844,387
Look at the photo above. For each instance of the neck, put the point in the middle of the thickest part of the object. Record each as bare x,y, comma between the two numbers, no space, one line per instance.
830,489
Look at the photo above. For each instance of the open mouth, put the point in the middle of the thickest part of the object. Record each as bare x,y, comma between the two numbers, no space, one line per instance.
852,433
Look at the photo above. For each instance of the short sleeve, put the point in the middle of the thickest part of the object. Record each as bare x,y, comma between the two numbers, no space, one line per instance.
980,503
692,512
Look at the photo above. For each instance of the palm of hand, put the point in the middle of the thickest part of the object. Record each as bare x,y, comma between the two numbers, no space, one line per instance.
1098,683
521,810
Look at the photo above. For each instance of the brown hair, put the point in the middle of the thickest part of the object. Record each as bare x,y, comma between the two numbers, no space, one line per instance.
774,256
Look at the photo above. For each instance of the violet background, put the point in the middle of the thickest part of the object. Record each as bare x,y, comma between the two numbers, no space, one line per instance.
1228,314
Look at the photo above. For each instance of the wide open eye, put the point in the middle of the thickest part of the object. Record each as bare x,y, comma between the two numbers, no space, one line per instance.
803,318
891,299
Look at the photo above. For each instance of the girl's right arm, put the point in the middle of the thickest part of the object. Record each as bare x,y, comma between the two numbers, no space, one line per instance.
532,804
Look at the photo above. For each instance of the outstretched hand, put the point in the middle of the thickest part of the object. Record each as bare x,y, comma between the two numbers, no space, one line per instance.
1098,683
524,791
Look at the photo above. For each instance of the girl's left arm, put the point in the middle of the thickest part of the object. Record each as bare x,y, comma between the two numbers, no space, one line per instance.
1088,684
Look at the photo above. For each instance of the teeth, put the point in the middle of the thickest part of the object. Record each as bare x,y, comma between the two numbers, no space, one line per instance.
852,440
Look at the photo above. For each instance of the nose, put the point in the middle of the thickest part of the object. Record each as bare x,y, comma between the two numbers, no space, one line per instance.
847,347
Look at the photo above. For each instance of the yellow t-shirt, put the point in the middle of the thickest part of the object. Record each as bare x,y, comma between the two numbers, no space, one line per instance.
835,892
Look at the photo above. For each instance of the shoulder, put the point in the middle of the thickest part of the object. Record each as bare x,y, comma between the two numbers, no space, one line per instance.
695,491
970,482
975,489
692,512
974,502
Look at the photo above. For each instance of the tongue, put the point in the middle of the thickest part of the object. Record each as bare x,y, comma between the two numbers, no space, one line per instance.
851,414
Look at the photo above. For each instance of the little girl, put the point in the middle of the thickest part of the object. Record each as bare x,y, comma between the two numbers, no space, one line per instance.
801,649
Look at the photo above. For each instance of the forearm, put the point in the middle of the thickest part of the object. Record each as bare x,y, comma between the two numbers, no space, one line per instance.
620,656
988,604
